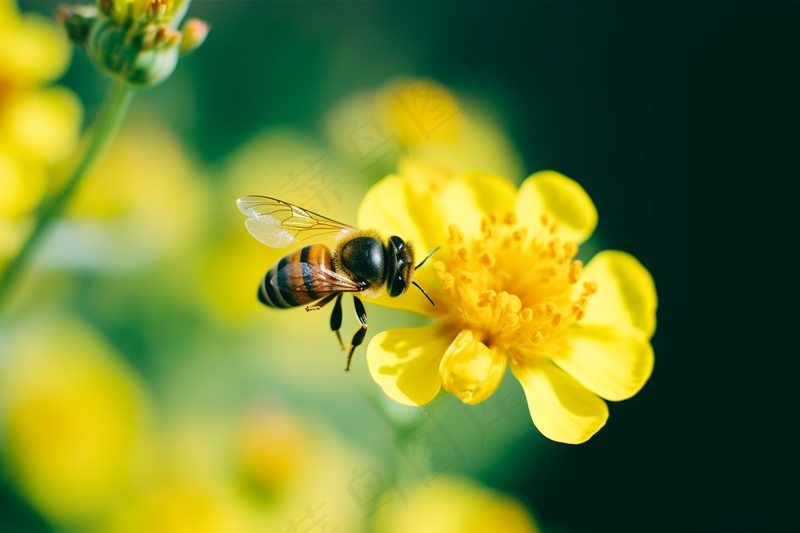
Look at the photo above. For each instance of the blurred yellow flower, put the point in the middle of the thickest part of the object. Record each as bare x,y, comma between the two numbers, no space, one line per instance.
39,125
422,119
454,505
269,452
509,293
178,504
233,473
420,110
143,201
33,49
73,418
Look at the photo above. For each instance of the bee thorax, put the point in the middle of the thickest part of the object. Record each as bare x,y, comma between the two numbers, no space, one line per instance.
362,259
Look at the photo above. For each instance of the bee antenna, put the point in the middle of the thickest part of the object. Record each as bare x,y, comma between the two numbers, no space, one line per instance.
414,283
422,263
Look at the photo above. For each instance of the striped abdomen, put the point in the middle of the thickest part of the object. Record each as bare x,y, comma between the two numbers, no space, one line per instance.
291,287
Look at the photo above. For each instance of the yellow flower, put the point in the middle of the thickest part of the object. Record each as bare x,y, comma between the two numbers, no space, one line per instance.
73,417
39,125
138,204
424,120
510,293
454,505
270,450
33,49
178,504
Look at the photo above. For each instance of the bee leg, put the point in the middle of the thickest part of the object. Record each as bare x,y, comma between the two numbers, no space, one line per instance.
336,318
358,338
322,303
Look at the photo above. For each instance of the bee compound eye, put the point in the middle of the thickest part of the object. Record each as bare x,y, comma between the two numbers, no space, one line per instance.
398,242
398,286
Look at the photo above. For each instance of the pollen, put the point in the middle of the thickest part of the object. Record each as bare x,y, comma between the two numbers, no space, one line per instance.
454,235
575,272
486,297
445,278
516,288
526,315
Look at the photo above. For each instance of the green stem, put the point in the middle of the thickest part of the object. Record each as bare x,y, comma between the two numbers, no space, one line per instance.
105,129
402,431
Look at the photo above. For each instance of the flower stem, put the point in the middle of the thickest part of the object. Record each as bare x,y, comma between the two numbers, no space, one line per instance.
106,126
404,428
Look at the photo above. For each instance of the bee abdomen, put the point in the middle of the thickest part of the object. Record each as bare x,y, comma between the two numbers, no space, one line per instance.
269,295
280,289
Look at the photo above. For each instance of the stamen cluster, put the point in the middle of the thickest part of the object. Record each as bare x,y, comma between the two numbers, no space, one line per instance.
514,291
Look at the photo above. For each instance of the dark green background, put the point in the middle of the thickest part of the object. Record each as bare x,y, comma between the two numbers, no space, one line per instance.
681,121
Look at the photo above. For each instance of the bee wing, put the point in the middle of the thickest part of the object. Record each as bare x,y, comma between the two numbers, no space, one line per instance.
305,277
278,224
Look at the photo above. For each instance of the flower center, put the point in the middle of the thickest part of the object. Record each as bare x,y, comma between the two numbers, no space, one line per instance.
516,292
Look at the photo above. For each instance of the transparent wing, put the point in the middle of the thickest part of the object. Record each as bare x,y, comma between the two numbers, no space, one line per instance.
305,277
278,224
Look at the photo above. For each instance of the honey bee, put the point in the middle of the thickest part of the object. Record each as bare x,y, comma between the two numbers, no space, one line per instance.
361,262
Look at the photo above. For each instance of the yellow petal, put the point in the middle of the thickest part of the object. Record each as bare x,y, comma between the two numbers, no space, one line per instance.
625,296
405,363
427,177
470,370
561,198
469,197
561,408
612,362
392,207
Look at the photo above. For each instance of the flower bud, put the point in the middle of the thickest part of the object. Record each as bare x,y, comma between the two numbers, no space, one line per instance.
134,40
157,9
144,59
194,32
